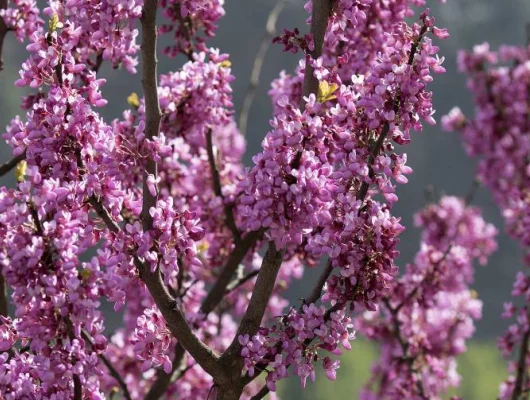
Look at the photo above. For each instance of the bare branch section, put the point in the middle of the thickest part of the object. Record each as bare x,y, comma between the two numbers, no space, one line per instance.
78,388
317,290
319,24
3,32
229,212
219,289
236,283
104,214
3,297
8,166
521,376
152,104
270,30
258,302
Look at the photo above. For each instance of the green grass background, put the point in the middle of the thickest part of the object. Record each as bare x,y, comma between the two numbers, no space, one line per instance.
481,367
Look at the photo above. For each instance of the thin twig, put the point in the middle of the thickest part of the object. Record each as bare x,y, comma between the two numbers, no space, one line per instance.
219,289
8,166
113,371
236,283
270,30
317,290
521,365
374,152
405,349
3,31
416,289
98,62
229,212
471,192
3,297
163,380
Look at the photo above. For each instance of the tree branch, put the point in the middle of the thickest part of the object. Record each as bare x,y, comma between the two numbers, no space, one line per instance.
378,144
253,84
3,32
8,166
261,394
258,302
177,323
78,388
3,296
113,372
521,365
167,305
163,380
319,23
273,258
218,291
405,348
152,105
229,212
175,320
317,290
213,298
374,151
102,212
241,281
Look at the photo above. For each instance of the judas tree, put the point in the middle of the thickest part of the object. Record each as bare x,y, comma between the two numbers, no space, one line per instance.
156,213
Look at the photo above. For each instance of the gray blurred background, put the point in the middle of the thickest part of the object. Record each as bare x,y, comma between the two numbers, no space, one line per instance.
437,157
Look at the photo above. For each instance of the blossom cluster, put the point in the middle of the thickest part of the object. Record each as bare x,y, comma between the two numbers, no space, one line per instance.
331,331
498,136
313,186
23,18
425,320
188,19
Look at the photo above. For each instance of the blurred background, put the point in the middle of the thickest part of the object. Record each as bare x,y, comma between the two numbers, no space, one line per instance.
437,157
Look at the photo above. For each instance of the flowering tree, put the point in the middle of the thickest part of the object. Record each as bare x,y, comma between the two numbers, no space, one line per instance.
500,82
197,250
